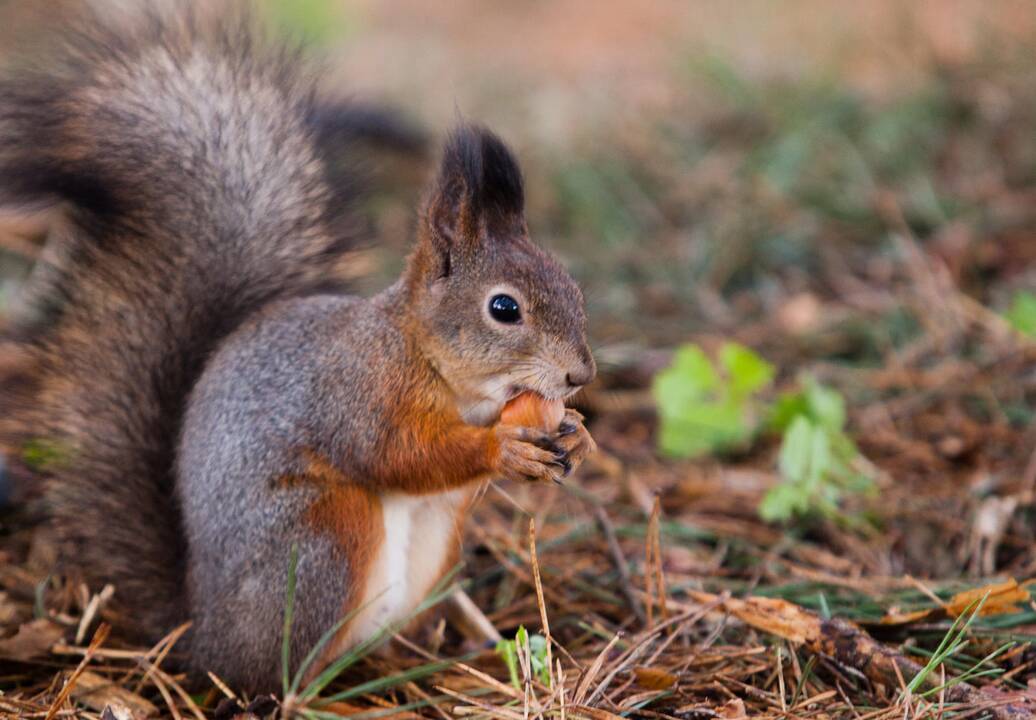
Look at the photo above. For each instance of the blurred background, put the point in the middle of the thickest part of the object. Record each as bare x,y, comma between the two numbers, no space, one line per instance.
699,165
807,236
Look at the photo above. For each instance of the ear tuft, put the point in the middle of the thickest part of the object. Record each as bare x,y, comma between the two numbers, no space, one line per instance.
479,181
491,178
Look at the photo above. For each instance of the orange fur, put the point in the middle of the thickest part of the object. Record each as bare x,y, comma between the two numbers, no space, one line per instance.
434,451
352,516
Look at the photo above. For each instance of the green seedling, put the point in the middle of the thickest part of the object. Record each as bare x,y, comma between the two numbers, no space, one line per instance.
818,462
1022,313
537,652
705,407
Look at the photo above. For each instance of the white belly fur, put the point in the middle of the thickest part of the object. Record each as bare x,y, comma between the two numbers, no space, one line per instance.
419,535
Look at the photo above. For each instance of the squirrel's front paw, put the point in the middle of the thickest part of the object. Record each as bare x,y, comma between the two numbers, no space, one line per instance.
573,439
529,454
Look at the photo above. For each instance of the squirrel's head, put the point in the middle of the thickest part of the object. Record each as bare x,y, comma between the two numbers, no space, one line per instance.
498,315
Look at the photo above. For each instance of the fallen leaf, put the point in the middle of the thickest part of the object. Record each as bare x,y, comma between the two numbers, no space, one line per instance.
98,692
771,615
732,709
1004,599
33,639
654,678
117,712
895,616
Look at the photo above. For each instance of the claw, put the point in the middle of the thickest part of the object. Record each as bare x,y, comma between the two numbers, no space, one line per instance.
550,446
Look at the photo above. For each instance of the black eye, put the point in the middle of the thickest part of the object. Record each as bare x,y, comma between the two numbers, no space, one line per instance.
504,308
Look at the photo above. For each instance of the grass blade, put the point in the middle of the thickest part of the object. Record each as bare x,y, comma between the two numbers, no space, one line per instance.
326,638
438,593
952,641
390,681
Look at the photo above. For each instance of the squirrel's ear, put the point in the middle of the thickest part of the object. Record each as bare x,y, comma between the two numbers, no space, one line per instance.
478,193
448,218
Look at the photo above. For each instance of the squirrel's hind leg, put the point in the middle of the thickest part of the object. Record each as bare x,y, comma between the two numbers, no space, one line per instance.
238,606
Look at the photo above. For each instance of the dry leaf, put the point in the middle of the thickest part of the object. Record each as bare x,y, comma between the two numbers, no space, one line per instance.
654,678
771,615
117,712
98,692
1004,598
33,639
732,709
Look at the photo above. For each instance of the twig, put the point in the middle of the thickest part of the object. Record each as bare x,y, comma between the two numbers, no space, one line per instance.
621,565
539,597
99,637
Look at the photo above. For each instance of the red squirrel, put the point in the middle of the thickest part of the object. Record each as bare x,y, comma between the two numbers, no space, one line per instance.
209,404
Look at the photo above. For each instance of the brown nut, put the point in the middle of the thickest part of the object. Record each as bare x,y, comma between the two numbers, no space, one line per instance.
532,410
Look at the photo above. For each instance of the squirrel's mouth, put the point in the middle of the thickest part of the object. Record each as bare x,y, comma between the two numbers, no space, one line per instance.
514,391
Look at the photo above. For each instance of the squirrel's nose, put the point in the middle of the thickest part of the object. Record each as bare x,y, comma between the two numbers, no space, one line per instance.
581,375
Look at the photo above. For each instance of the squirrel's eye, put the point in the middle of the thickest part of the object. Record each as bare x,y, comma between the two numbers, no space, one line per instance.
504,308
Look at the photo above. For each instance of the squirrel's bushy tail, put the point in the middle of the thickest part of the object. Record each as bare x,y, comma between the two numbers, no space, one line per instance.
190,161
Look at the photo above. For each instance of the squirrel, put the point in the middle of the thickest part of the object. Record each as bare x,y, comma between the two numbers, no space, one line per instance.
207,404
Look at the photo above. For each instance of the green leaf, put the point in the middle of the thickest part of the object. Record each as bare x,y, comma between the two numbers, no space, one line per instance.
703,427
1022,313
522,636
507,650
747,372
820,460
789,405
688,380
826,406
782,502
701,412
816,459
819,403
794,459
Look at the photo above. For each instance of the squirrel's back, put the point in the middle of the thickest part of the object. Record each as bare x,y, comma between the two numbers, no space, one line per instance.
191,163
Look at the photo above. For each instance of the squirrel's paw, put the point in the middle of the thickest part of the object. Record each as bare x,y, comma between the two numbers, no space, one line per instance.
527,454
573,439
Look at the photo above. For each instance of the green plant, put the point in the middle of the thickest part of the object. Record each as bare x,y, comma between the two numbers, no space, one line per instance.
952,643
705,409
818,462
534,645
1022,313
